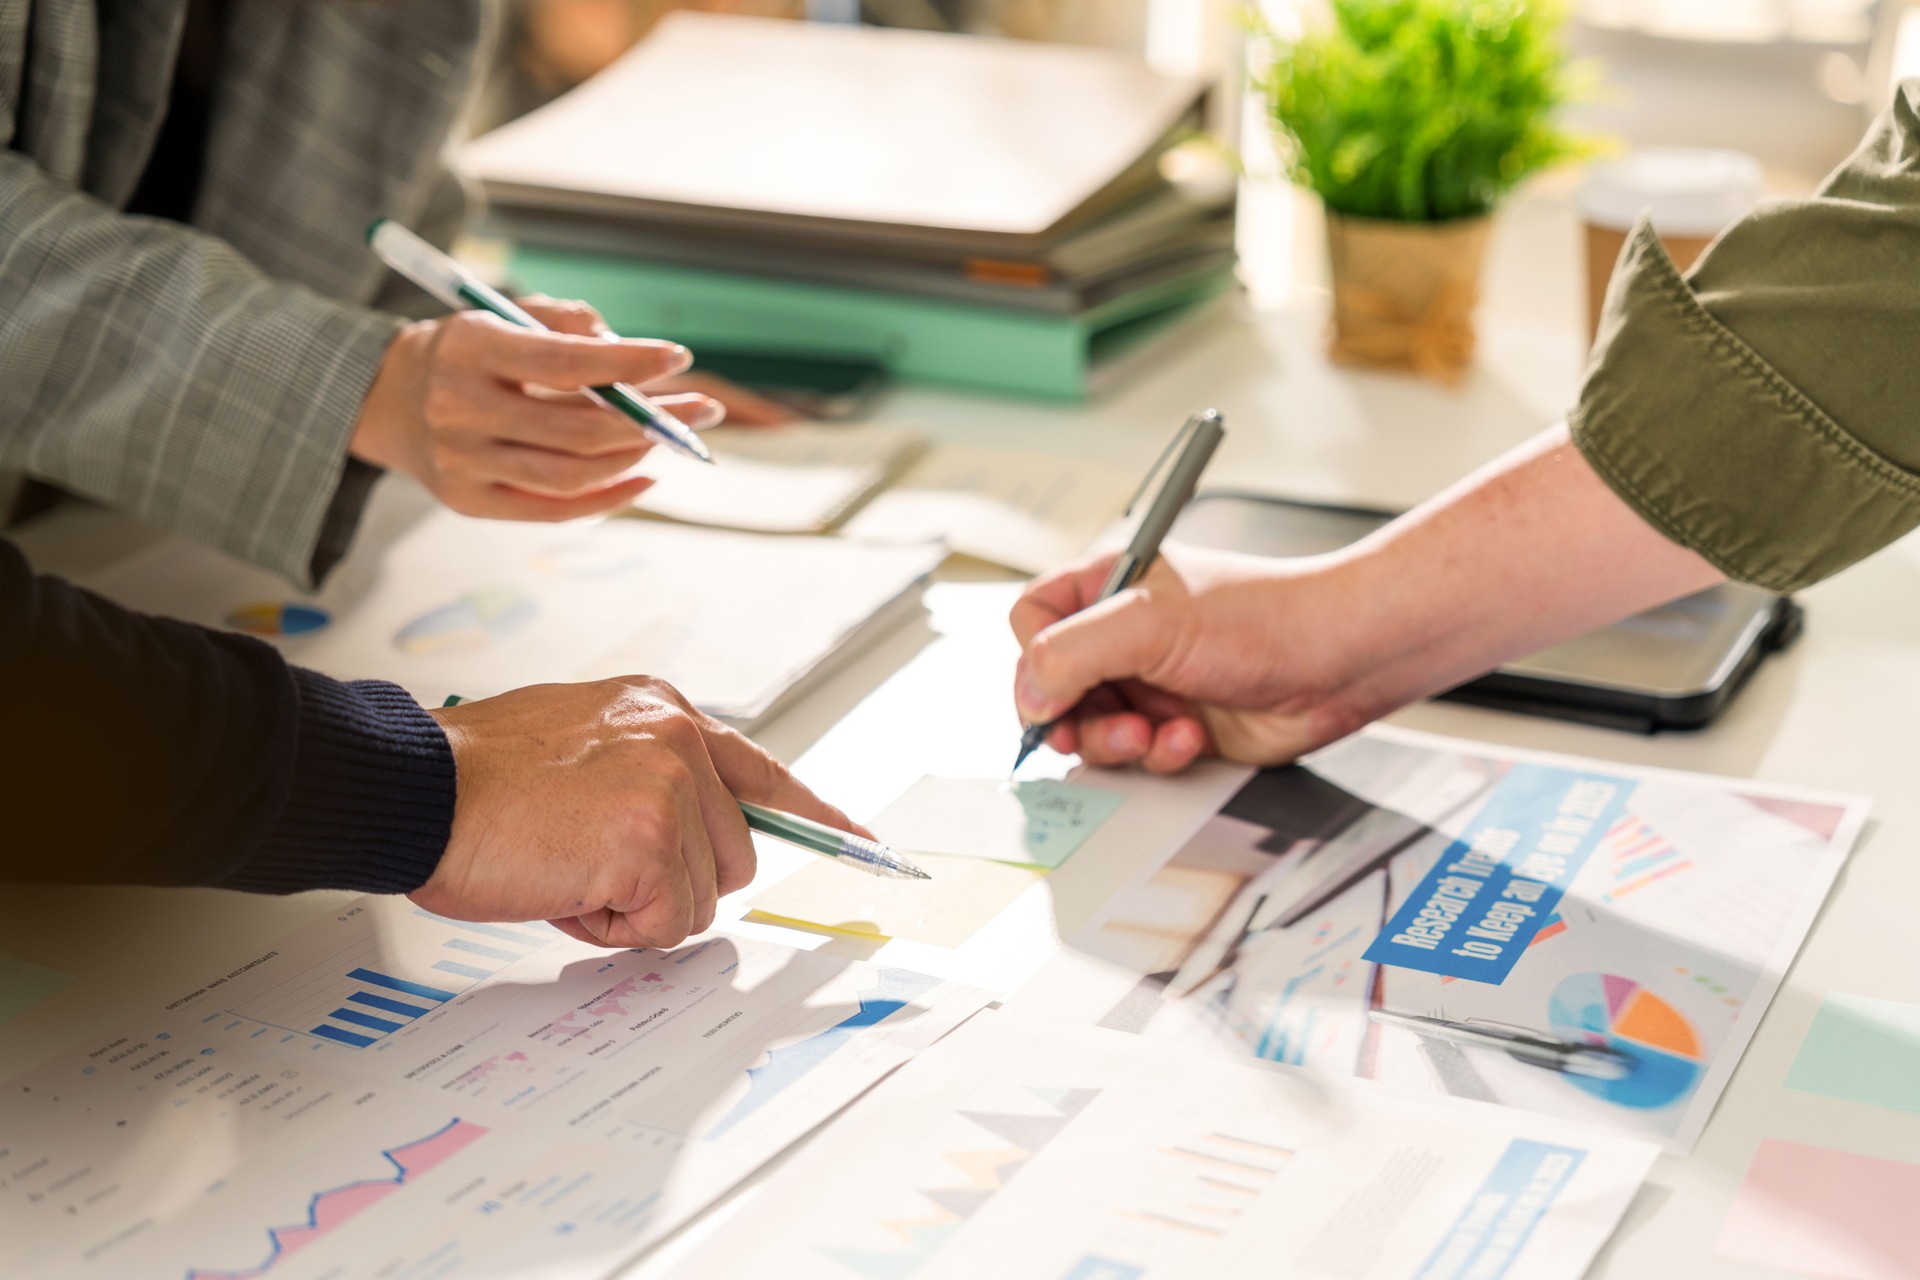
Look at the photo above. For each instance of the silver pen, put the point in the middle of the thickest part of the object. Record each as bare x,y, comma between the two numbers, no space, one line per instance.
1571,1057
1190,449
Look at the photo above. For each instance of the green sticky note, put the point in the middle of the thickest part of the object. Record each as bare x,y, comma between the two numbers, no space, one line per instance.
1864,1050
1032,824
24,984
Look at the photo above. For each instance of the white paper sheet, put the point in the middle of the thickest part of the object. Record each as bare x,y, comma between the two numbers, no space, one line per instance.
1028,511
1648,912
477,607
388,1093
1016,1149
794,479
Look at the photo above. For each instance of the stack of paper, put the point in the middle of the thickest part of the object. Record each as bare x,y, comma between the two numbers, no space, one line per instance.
1007,214
737,622
1028,512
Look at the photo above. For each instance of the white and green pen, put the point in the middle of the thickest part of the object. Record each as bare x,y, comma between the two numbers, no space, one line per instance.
830,842
460,289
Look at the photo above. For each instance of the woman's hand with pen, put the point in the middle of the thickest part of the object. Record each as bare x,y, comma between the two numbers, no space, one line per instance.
1190,661
1262,660
489,417
611,809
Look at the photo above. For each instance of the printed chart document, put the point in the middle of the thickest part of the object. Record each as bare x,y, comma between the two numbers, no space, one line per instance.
1640,916
389,1093
1016,1149
476,607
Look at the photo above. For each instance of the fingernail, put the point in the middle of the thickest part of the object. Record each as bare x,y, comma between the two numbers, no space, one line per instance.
682,358
1032,702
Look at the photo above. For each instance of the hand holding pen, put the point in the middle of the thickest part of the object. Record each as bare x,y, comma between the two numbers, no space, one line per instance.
612,808
467,404
1051,603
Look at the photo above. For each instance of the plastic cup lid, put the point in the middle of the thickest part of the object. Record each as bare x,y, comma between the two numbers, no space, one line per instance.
1688,191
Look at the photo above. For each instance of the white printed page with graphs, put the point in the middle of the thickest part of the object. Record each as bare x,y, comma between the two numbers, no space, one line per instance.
1017,1149
391,1093
1385,906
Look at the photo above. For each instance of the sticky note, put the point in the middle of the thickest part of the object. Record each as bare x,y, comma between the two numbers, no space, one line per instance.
1864,1050
1826,1213
24,984
963,895
1037,823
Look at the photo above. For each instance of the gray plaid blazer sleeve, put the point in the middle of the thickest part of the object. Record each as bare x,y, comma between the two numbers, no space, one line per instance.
209,376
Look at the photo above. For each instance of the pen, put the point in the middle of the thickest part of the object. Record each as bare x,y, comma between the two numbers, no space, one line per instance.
1571,1057
1191,449
817,837
829,842
460,289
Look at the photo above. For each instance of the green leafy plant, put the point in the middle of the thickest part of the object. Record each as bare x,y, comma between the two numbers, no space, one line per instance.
1423,110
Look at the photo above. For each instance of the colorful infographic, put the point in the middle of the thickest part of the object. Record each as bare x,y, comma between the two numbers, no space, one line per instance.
1661,1046
468,624
271,619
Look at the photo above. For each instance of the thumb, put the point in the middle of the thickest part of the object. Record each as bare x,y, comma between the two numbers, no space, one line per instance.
1125,637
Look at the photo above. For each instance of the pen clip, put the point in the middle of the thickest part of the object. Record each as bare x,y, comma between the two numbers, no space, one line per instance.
1187,428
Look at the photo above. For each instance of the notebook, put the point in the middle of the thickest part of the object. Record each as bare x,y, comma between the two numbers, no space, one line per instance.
725,120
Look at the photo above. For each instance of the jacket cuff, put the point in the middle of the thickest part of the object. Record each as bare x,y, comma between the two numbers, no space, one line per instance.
1712,446
371,801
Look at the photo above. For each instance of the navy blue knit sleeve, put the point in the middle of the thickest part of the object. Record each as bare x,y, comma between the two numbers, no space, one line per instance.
143,750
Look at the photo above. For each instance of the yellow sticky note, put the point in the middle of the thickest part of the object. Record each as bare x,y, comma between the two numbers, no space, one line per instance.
963,895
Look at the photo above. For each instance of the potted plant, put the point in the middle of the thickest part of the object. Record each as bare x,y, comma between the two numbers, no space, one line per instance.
1411,120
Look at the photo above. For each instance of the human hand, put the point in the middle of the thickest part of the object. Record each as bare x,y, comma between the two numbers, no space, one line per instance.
741,407
489,416
608,808
1210,652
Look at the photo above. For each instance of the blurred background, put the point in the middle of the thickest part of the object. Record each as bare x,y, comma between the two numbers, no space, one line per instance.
1790,82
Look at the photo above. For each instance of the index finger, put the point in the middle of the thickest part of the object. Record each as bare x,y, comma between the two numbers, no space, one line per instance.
1060,594
568,362
751,773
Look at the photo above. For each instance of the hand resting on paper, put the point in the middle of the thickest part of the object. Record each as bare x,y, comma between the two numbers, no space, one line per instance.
607,808
1261,660
489,417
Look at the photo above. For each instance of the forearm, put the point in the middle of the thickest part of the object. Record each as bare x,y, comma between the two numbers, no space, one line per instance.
146,751
153,367
1530,550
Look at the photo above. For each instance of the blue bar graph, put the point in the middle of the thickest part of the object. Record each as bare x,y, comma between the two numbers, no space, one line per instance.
400,1007
464,970
425,992
504,932
359,1019
344,1037
475,949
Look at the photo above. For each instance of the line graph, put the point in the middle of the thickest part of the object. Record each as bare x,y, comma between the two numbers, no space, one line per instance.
329,1209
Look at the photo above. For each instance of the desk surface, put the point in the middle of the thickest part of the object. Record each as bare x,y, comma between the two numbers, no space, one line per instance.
1832,713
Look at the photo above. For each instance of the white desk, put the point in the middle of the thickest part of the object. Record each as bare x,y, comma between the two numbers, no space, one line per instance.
1832,713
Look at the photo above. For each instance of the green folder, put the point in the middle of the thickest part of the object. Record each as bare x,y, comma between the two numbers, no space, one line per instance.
922,339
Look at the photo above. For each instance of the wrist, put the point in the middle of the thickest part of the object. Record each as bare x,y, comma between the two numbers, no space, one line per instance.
394,401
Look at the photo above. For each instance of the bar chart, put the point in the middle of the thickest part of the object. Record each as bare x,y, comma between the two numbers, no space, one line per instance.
378,983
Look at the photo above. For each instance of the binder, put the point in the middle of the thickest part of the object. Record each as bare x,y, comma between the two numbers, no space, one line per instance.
1061,357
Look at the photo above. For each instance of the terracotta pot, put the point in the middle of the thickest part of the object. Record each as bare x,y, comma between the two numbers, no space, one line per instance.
1404,292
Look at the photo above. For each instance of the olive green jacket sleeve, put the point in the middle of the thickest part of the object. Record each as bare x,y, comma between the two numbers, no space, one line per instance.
1764,411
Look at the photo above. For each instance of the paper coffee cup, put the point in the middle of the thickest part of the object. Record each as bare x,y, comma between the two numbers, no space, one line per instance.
1691,194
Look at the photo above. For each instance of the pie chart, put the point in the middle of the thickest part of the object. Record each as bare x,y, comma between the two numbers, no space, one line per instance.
470,623
1660,1045
267,618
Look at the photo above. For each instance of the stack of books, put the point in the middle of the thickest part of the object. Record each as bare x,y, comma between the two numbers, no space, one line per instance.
1003,215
